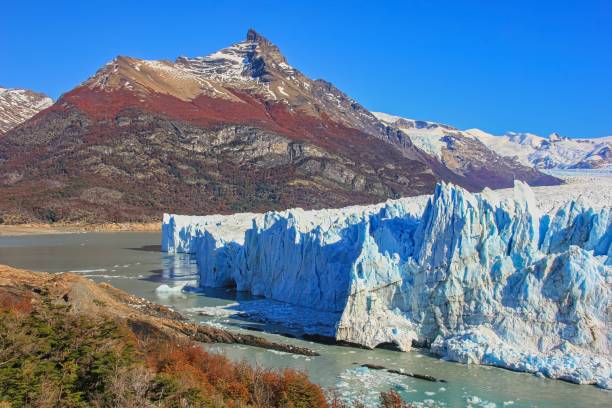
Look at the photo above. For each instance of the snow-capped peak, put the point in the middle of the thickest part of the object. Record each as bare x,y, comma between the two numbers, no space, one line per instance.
410,123
18,105
228,64
254,36
386,118
555,137
248,60
553,152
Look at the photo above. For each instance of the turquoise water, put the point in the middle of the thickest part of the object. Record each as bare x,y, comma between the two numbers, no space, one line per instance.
132,262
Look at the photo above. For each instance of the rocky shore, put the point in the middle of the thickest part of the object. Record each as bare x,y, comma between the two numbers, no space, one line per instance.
145,318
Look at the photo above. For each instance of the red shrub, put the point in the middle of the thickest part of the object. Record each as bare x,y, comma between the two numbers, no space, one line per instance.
215,375
391,399
14,303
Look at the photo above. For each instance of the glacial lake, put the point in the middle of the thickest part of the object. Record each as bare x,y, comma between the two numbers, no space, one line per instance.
133,262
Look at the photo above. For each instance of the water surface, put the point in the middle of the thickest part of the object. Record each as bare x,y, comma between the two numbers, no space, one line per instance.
133,262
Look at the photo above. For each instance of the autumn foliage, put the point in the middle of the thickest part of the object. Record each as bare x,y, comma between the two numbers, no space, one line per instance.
52,357
234,384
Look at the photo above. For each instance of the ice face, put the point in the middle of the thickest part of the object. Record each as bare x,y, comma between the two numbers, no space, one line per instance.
479,278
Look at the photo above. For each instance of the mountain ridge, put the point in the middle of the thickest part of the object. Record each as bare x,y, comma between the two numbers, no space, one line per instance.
528,149
552,152
238,130
465,156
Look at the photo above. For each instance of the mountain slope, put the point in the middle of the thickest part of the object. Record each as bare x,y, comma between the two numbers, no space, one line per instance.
19,105
222,133
238,130
554,152
465,155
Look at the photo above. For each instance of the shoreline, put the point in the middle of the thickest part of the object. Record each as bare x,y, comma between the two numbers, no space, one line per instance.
73,228
88,298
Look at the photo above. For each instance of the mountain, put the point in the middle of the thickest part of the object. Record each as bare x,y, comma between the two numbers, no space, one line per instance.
554,152
465,155
508,153
238,130
19,105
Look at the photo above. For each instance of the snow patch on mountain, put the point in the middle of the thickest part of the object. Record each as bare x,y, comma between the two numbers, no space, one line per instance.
228,64
19,105
427,136
483,278
427,142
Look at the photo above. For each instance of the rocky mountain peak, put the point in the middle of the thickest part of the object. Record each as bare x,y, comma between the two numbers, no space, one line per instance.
264,56
254,36
255,58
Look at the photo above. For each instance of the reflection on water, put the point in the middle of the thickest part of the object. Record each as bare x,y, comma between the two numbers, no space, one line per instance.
175,269
132,262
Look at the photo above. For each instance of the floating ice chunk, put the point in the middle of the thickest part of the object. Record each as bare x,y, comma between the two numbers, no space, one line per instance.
88,270
169,291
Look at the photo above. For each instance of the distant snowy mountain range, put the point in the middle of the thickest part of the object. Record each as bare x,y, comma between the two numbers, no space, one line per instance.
19,105
553,152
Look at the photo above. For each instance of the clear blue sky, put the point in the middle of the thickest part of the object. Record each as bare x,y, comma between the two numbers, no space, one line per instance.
538,66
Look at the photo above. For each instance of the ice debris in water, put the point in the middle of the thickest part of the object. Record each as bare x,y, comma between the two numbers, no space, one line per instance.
479,278
168,291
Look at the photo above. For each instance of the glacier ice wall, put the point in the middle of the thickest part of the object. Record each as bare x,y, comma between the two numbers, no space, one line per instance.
477,278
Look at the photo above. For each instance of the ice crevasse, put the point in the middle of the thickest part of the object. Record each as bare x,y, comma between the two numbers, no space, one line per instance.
476,278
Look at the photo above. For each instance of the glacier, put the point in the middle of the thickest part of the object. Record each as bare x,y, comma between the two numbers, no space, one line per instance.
477,278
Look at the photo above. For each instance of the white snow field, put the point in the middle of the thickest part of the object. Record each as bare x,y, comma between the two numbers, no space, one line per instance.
552,152
592,187
516,278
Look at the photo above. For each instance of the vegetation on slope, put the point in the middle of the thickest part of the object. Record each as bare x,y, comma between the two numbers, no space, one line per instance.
50,357
59,350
